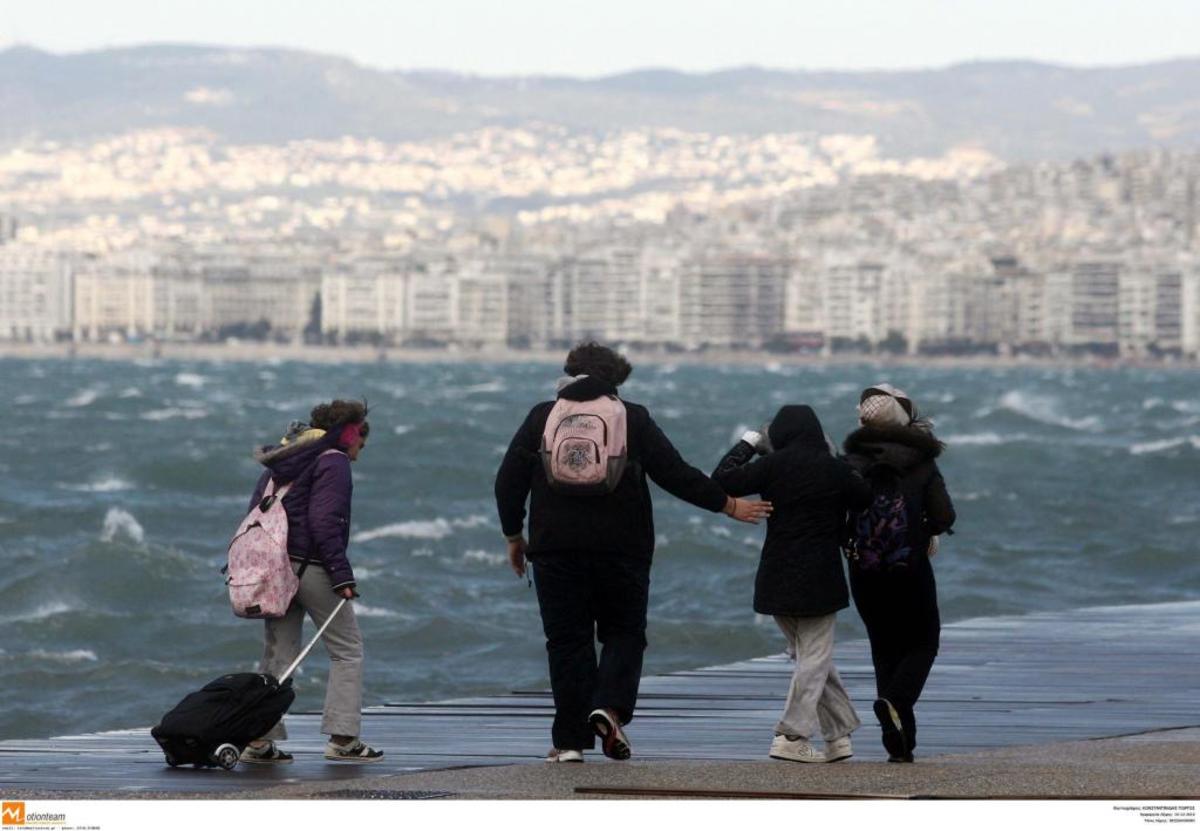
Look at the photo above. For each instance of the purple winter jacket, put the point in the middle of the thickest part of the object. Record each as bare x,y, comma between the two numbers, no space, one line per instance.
317,506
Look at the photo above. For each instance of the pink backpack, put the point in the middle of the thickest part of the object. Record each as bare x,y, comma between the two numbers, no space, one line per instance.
583,446
259,575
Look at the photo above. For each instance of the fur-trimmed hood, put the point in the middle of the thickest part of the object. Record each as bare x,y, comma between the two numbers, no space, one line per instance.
298,449
902,448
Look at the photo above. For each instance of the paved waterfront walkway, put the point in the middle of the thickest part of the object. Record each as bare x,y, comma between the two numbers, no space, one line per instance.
1054,681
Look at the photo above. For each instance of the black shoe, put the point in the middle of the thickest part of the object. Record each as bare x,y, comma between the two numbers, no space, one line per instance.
894,741
613,742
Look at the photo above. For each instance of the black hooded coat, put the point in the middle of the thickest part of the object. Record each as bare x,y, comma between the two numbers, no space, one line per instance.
621,522
800,573
910,452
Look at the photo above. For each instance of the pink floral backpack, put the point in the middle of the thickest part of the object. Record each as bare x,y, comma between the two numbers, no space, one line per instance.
584,445
259,574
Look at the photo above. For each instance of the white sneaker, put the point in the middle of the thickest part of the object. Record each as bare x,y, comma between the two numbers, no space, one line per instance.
838,749
556,755
355,751
798,750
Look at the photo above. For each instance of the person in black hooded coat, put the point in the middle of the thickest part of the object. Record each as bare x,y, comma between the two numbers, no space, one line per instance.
896,452
800,578
592,555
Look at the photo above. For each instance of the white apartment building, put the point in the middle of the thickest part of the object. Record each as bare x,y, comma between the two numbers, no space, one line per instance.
431,303
1094,305
732,300
535,300
365,298
853,303
243,290
36,293
481,313
661,276
114,297
1189,324
603,295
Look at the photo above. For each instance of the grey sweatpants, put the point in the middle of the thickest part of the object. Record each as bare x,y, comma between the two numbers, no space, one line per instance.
342,640
817,699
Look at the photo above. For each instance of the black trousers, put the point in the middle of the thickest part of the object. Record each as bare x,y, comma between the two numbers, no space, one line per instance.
585,597
900,612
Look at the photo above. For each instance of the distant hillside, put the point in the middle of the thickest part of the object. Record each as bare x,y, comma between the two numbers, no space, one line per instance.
1016,110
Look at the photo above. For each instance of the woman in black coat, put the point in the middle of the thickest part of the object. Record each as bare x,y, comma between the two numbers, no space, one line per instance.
891,577
800,579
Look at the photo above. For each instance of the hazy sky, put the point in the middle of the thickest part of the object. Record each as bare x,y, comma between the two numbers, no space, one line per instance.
605,36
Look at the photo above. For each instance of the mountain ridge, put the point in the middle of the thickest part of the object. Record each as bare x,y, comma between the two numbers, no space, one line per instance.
1018,110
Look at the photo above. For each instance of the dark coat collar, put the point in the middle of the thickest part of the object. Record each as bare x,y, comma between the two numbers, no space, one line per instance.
587,388
865,440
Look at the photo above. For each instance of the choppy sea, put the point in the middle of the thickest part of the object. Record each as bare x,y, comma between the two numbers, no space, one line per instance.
120,484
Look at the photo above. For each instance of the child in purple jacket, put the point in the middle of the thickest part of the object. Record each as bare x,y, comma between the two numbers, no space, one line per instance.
315,458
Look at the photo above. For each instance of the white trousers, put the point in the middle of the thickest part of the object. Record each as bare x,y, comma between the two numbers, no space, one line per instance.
817,700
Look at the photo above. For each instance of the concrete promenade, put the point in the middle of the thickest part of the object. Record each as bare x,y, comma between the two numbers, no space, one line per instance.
1091,703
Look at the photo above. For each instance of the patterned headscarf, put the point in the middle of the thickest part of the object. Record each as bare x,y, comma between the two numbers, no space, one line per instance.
883,405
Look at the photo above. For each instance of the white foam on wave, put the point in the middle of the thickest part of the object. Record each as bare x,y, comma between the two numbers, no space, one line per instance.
373,611
491,558
46,610
130,392
169,413
110,484
489,386
1142,448
190,379
421,529
401,429
22,400
1045,410
120,523
83,398
70,656
959,439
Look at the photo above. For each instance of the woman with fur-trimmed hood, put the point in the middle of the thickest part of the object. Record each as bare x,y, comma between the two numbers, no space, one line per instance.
890,542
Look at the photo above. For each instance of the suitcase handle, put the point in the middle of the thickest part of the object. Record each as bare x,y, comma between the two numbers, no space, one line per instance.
304,653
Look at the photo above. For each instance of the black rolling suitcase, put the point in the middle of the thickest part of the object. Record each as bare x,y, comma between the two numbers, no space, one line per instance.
212,726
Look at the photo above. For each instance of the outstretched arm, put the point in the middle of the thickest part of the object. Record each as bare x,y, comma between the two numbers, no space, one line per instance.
669,471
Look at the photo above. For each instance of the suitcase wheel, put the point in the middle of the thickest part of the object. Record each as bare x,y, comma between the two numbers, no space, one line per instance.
226,756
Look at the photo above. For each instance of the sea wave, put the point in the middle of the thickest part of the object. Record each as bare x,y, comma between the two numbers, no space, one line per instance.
70,656
420,529
120,523
479,555
46,610
108,485
83,398
1142,448
374,611
169,413
1044,409
959,439
489,386
190,379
